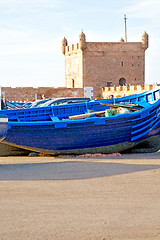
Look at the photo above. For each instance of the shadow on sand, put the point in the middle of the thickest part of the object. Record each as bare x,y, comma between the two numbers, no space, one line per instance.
68,170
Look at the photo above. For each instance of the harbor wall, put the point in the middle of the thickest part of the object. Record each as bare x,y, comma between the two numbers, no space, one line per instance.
31,94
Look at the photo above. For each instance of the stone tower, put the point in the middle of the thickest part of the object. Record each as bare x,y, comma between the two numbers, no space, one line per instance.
102,64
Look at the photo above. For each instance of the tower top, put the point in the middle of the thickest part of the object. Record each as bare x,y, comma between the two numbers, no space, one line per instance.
145,40
82,40
64,43
145,34
82,35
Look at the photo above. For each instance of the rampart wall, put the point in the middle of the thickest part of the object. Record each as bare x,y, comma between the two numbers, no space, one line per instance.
121,91
31,94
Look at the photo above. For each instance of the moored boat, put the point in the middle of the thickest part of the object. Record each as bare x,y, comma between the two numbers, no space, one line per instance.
91,134
55,130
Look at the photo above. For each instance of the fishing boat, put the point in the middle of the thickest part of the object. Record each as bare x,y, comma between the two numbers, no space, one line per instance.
94,132
85,127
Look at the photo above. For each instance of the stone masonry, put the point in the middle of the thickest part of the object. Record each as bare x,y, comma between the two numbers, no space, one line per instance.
31,94
121,91
104,64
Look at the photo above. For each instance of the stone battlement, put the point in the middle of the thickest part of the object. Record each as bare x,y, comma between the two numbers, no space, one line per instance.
121,91
71,49
105,47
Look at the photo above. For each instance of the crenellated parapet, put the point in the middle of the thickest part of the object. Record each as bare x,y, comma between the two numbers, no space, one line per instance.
121,91
104,46
71,49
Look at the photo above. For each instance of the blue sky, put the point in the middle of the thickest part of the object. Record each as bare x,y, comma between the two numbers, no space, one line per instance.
31,32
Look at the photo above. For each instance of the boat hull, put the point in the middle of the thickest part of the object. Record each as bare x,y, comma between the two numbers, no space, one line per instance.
103,150
89,135
41,130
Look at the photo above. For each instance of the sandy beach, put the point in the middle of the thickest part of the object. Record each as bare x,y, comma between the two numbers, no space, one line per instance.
75,198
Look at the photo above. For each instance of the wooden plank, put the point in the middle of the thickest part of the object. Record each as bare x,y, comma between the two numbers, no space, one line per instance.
85,115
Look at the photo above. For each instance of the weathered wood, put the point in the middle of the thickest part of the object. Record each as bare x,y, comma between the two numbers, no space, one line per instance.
81,116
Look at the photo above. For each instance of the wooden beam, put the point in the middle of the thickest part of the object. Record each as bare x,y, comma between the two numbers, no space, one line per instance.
80,116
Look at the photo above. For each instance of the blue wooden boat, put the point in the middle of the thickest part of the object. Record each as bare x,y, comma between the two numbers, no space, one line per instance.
89,134
50,130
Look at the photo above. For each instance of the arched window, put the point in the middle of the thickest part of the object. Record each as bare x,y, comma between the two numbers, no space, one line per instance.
122,81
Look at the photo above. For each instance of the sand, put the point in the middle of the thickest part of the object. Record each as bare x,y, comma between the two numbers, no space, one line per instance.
47,198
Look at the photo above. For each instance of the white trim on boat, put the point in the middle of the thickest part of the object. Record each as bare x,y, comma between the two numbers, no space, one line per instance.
3,119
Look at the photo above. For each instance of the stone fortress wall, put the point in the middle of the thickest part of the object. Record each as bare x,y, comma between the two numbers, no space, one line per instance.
31,94
104,64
